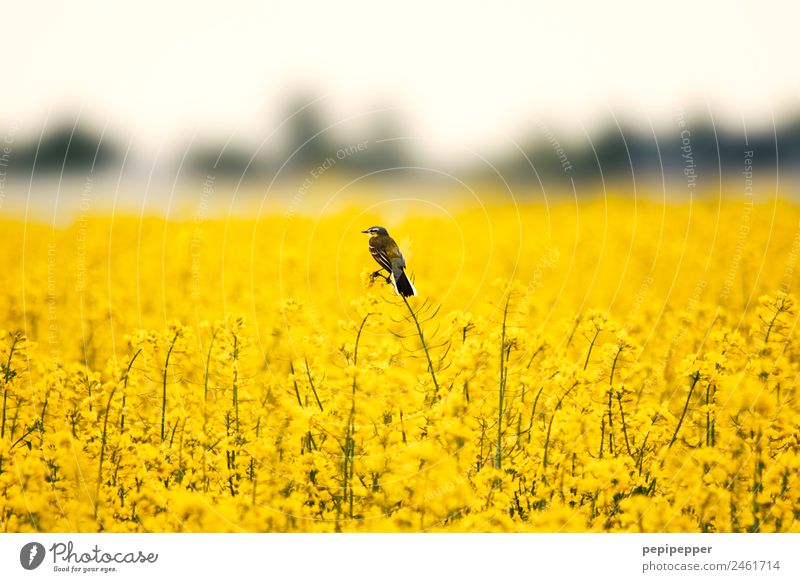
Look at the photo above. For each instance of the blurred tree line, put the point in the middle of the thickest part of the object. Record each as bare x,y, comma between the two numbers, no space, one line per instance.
691,149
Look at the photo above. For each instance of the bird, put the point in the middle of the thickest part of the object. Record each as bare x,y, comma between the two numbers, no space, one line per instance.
387,254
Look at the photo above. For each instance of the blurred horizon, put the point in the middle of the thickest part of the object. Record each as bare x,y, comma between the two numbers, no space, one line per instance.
534,99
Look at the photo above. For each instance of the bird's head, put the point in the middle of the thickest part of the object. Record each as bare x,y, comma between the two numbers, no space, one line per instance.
375,230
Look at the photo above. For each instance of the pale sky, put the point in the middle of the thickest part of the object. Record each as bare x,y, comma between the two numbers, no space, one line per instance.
463,75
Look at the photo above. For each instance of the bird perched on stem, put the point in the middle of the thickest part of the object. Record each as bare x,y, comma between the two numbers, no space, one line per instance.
387,254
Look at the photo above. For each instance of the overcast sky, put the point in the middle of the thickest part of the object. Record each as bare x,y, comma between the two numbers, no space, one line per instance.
462,74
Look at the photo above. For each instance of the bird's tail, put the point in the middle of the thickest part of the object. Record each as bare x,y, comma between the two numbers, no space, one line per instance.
402,284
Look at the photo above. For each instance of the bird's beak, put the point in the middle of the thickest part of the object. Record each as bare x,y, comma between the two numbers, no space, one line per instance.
365,231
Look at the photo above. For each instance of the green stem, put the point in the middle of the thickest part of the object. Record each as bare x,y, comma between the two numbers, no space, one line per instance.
772,323
613,367
424,347
313,388
105,427
533,412
695,378
7,375
602,435
34,427
5,400
348,449
498,458
208,365
709,420
164,386
610,427
236,380
550,424
624,425
296,387
591,345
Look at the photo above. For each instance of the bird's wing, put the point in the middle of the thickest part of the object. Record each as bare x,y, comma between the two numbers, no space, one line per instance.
380,256
395,256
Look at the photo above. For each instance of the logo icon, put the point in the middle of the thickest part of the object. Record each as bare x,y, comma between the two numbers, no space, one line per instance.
31,555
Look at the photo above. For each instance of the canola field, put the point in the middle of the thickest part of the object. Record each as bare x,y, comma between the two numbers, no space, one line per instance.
603,365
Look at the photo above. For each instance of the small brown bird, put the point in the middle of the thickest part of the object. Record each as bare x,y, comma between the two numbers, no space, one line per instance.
387,254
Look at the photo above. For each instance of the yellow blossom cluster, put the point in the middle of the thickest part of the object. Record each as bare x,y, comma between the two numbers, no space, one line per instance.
606,365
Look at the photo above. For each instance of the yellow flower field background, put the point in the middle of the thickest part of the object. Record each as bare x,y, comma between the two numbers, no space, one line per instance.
604,365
